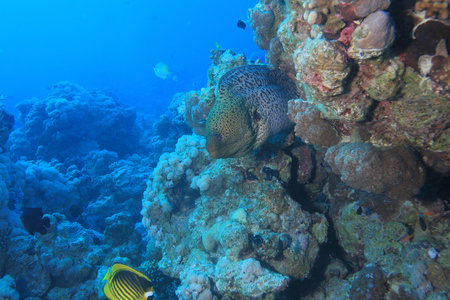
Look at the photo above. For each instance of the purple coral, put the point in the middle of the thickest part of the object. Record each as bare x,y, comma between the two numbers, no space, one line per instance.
380,33
375,34
395,172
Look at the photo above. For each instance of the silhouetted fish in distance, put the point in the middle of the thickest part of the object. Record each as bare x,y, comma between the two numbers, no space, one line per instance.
241,24
34,221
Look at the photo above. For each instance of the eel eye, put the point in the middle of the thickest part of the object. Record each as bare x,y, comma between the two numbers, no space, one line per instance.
256,116
219,137
257,240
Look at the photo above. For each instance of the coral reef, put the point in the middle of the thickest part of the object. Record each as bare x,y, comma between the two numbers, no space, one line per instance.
323,64
166,132
89,187
395,172
48,131
7,288
262,22
247,279
354,205
222,216
342,54
198,106
397,237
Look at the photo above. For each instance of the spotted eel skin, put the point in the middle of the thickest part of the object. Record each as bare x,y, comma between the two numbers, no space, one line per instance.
250,108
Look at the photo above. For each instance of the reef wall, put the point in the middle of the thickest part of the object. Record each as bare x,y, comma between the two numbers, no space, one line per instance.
361,179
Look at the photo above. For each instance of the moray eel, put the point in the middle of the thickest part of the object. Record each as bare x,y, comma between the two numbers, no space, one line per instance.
250,108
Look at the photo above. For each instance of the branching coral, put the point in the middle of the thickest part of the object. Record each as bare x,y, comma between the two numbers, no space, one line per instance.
434,8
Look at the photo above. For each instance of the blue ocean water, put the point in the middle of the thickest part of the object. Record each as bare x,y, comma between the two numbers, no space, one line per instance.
115,45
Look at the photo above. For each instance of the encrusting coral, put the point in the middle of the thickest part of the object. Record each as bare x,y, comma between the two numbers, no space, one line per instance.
439,9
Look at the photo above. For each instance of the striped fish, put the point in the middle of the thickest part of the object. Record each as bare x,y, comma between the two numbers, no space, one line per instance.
126,283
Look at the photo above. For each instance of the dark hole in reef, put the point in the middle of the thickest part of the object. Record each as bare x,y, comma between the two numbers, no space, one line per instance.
371,111
297,191
328,251
436,187
250,175
75,211
350,77
270,173
403,23
183,197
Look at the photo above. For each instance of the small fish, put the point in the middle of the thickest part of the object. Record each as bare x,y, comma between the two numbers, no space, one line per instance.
2,97
201,121
428,214
423,224
241,24
162,71
406,238
34,221
126,283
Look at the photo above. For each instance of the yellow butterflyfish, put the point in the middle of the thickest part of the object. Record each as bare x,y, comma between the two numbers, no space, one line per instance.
126,283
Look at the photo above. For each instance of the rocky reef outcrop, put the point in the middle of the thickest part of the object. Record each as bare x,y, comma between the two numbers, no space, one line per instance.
224,214
229,216
357,63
